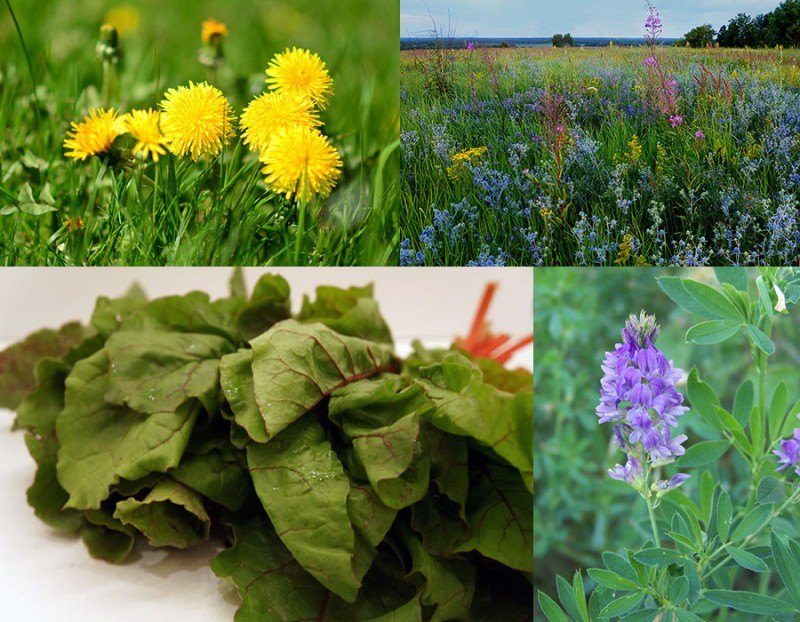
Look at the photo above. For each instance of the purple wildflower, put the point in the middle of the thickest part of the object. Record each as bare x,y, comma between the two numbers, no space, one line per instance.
650,61
673,482
789,453
471,46
699,135
676,120
628,473
638,390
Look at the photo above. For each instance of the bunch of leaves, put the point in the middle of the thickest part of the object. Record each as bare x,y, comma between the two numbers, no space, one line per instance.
349,484
728,547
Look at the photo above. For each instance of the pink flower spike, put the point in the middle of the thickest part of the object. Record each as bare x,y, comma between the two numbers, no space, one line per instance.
676,120
650,61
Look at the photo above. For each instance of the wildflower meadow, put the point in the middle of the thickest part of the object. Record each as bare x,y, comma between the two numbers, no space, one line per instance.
627,156
667,445
198,133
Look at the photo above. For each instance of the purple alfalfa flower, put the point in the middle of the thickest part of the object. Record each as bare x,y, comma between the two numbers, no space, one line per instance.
638,390
630,473
666,485
789,453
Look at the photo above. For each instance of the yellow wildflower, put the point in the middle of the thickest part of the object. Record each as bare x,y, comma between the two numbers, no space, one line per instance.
624,252
143,126
271,113
300,163
636,149
94,136
196,119
461,159
213,29
299,71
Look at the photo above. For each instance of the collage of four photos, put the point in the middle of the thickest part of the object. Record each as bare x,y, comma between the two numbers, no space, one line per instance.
272,274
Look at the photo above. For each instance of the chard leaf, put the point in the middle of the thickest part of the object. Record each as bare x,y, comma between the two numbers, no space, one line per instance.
369,515
447,584
106,537
171,514
449,465
440,523
295,366
155,372
508,380
45,495
190,313
217,476
38,411
304,489
350,311
268,305
273,586
465,406
381,418
236,379
18,361
110,313
101,442
500,513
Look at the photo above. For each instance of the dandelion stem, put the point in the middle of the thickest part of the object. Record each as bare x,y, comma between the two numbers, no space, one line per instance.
301,222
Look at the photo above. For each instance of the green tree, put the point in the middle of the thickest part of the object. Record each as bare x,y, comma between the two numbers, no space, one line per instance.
558,41
701,36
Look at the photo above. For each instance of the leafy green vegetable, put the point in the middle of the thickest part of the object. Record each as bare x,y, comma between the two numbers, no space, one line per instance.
349,485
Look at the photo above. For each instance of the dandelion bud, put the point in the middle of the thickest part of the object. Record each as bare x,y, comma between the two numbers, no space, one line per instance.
108,46
211,55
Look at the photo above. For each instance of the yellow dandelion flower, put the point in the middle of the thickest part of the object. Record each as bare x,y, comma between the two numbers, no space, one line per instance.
213,28
143,126
271,113
299,71
93,136
196,119
124,18
299,162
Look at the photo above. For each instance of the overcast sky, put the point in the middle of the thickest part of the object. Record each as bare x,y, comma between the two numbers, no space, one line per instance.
581,18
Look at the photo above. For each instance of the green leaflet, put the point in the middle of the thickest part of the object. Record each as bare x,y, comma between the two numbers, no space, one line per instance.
171,514
217,476
17,362
465,406
381,417
110,313
295,366
349,311
153,372
500,513
38,411
101,442
304,489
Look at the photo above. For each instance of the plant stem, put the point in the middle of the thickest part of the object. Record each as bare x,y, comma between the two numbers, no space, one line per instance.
652,514
301,223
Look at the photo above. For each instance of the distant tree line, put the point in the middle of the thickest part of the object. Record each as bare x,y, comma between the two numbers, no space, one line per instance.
565,41
780,27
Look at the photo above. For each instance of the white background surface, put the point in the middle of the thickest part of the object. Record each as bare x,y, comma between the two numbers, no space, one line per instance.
47,577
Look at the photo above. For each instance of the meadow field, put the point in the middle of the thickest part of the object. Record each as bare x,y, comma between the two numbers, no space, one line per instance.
102,204
600,156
